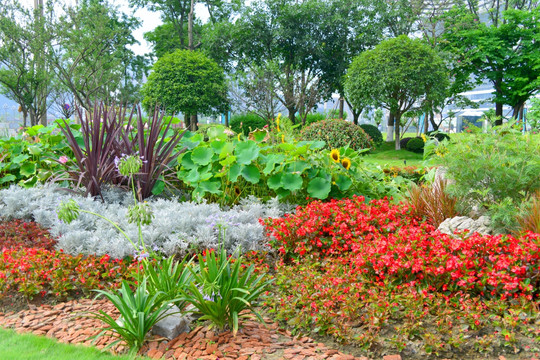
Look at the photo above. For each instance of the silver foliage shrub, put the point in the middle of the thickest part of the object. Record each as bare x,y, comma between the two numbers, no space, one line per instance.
176,228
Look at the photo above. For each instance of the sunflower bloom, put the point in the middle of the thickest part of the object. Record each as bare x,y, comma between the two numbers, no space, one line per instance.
424,137
238,137
346,162
334,155
282,138
277,122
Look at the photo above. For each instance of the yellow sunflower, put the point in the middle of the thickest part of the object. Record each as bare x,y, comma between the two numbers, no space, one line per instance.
334,155
346,162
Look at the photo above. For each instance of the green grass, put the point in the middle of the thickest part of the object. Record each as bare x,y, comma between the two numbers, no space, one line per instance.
385,155
15,346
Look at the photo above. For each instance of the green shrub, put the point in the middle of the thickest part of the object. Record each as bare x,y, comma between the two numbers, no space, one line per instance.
246,123
314,117
403,142
415,145
440,136
373,132
496,172
336,134
35,155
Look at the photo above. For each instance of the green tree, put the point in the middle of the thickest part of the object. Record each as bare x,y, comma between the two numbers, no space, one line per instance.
91,57
300,43
505,52
398,74
188,82
24,76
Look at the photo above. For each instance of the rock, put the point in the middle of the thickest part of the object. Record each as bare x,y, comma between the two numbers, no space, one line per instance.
172,325
462,223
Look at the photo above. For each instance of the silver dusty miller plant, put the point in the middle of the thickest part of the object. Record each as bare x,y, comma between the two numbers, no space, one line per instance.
176,226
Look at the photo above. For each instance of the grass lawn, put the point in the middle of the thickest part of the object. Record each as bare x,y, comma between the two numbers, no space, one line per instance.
386,155
15,346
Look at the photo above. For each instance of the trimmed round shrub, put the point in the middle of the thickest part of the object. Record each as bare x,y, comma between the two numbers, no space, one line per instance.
415,145
403,142
337,133
373,133
440,136
246,123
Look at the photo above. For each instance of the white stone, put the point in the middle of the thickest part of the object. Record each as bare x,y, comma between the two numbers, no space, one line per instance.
462,223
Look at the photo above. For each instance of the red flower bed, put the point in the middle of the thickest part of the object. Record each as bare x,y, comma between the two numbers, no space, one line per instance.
27,234
30,265
374,274
45,272
383,241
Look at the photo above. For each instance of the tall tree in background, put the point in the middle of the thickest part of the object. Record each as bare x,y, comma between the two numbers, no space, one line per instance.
398,74
91,56
24,75
296,42
505,52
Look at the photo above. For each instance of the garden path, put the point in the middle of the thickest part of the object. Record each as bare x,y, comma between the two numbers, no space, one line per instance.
67,323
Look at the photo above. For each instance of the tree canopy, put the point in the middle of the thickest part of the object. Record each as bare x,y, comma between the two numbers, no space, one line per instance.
398,74
188,82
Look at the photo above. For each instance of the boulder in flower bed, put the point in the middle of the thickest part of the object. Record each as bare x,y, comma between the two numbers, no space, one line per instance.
463,223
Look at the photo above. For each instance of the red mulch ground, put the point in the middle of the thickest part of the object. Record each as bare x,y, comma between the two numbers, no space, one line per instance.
67,323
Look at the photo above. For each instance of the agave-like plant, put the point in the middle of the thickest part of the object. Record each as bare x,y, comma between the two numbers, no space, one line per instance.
166,277
222,292
139,311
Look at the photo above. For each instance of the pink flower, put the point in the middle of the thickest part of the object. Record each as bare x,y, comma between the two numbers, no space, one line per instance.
63,159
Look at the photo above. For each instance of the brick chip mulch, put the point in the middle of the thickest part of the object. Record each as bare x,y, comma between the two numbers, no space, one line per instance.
67,323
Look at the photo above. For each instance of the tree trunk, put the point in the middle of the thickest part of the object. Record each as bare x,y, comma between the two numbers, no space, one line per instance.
25,118
397,121
193,123
432,121
341,101
390,128
226,118
355,116
292,111
190,26
498,114
517,113
187,121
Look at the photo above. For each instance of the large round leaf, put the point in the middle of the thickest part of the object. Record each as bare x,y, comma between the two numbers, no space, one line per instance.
246,152
234,172
319,188
271,161
274,181
28,169
343,182
251,174
291,182
202,155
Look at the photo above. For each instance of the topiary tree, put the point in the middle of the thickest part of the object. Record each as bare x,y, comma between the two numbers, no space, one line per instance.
337,133
188,82
397,74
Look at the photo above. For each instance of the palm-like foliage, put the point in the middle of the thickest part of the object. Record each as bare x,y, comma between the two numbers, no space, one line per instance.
223,292
155,144
139,312
167,277
101,130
